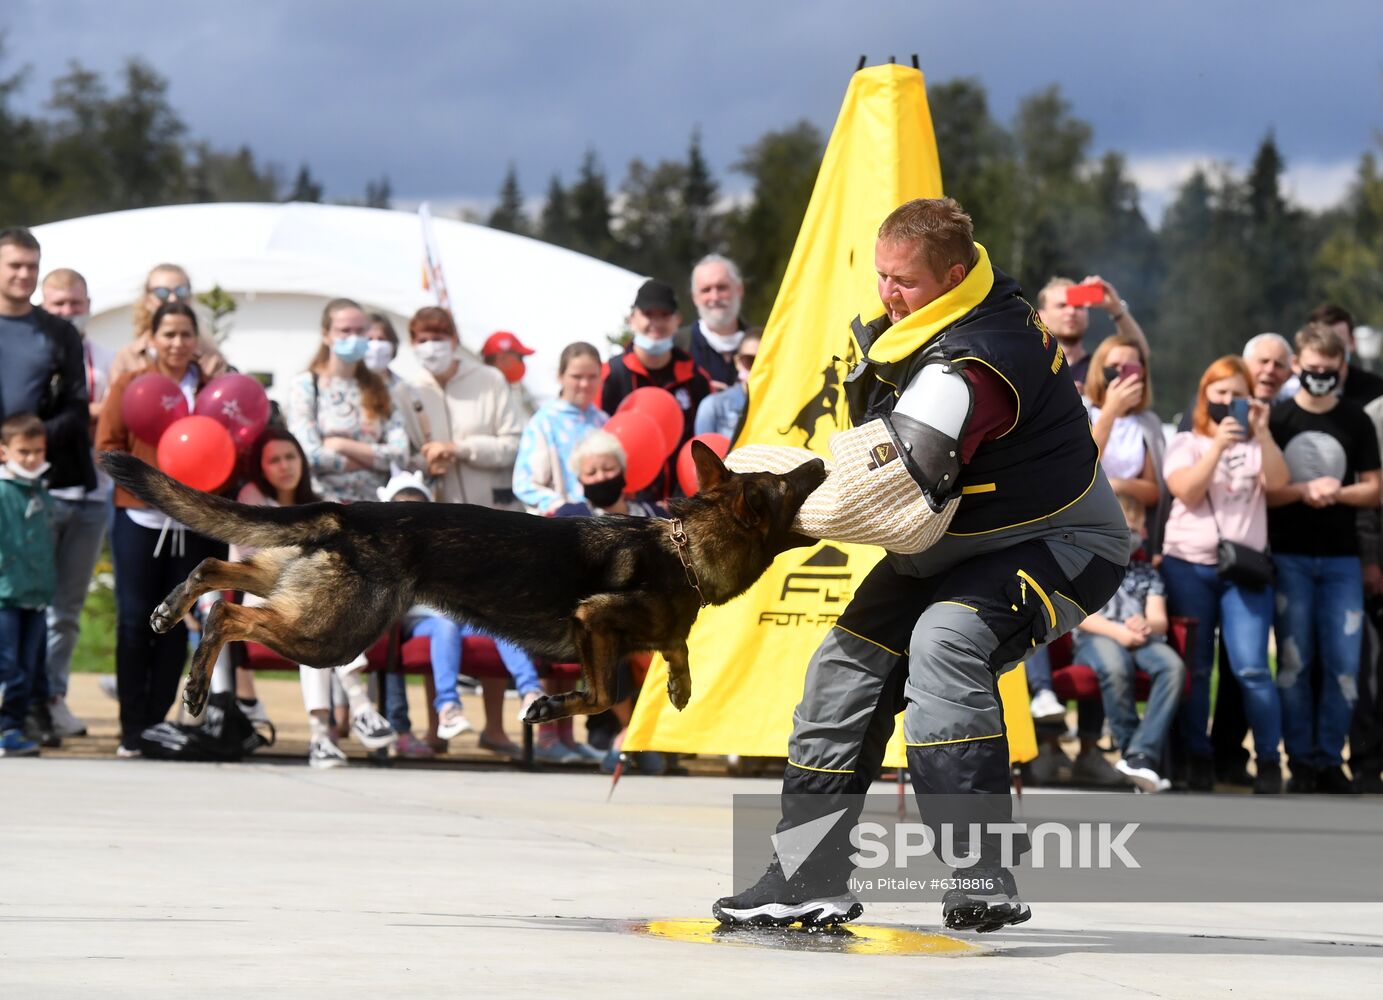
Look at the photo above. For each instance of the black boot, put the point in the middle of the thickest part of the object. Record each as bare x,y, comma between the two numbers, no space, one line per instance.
985,900
1302,781
1332,781
775,901
1202,775
1269,779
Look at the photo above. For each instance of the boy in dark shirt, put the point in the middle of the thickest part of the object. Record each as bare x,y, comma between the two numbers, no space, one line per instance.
1332,454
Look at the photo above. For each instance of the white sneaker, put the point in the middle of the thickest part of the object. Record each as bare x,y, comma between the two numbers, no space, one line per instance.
373,730
1137,769
64,722
1046,707
451,723
323,753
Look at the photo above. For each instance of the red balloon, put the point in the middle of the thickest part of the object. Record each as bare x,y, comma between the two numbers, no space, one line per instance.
197,451
644,447
662,407
686,465
151,403
238,403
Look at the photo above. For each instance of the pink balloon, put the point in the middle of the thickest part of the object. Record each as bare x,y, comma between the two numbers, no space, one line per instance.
151,403
238,403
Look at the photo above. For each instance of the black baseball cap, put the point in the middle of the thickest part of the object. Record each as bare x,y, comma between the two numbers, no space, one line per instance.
655,294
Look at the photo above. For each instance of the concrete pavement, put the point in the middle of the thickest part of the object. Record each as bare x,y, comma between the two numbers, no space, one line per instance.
145,879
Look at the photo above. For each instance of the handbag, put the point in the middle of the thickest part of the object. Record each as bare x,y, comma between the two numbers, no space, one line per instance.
1241,565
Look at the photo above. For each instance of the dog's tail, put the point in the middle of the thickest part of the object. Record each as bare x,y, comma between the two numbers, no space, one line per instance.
219,518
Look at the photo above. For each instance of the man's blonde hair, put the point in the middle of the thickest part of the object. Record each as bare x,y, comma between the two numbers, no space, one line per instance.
939,231
1052,285
65,279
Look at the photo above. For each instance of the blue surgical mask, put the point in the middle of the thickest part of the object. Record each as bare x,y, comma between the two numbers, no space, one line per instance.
350,349
653,345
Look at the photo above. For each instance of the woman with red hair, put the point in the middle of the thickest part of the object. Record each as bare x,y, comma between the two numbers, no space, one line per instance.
1219,473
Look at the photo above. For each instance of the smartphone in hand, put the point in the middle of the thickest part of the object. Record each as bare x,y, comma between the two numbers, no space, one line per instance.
1131,370
1239,410
1084,295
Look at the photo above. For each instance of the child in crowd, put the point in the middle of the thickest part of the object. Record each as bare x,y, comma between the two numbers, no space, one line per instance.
27,575
445,636
1128,633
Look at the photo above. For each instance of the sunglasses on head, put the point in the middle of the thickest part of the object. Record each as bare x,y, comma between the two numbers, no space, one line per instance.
163,294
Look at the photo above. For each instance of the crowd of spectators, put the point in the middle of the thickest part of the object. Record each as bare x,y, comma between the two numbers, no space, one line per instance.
1255,523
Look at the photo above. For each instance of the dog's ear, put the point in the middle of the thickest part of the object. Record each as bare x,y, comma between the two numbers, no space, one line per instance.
710,470
751,507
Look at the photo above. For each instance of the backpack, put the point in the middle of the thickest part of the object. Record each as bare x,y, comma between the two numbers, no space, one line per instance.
224,734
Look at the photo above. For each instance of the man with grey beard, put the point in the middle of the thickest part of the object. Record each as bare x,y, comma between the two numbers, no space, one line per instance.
717,291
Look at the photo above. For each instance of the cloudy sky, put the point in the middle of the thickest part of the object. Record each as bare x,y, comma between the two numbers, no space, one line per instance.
441,94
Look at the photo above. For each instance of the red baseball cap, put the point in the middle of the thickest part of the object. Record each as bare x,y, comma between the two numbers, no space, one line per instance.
501,341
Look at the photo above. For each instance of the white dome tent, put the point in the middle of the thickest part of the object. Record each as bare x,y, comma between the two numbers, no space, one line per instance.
281,263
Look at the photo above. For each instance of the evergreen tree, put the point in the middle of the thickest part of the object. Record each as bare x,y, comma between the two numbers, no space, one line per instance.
305,187
379,194
590,210
782,166
555,223
508,214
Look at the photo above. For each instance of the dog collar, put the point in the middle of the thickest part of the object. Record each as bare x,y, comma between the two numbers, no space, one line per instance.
681,543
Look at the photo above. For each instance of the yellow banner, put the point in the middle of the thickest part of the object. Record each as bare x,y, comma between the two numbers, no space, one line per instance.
749,657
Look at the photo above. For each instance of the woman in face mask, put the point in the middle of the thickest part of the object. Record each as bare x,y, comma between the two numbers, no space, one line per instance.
470,422
343,413
1219,473
544,477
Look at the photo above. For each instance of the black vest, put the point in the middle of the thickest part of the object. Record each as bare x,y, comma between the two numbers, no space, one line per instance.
1047,460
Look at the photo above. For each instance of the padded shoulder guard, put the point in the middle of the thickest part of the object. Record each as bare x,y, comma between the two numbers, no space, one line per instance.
868,497
927,425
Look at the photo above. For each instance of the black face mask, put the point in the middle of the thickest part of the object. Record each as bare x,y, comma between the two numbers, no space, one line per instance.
1216,411
1320,383
605,493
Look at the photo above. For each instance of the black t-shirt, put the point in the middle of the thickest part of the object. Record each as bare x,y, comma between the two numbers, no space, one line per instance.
1362,386
1341,444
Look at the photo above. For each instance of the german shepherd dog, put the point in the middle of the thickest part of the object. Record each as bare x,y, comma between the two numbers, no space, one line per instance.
593,590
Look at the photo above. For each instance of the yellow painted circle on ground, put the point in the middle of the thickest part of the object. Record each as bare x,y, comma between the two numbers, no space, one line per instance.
844,939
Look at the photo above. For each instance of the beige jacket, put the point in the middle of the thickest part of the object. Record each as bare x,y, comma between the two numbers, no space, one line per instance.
476,410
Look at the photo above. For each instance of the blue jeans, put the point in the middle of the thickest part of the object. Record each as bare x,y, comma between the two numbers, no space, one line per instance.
1320,617
1115,665
1244,617
22,635
78,527
446,636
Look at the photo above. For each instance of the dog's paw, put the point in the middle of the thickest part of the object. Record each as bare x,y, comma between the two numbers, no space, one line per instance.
679,691
162,619
195,695
541,710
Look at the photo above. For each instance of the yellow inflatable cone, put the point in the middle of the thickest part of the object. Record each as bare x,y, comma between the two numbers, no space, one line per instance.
749,657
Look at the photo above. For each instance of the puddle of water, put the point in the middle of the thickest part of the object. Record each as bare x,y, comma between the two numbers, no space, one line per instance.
846,939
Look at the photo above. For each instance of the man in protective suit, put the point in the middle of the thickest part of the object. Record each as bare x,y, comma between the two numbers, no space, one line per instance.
971,461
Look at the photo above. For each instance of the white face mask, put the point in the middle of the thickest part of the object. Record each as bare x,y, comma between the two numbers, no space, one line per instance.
378,354
435,355
22,473
79,322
